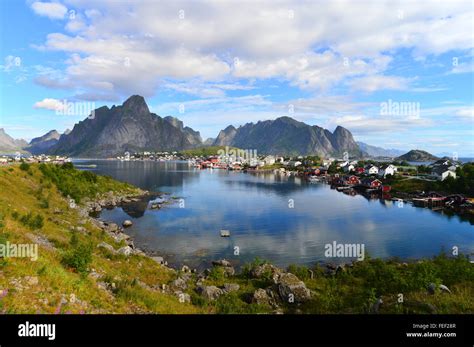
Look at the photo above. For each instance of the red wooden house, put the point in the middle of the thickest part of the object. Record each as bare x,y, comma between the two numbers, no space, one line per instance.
372,183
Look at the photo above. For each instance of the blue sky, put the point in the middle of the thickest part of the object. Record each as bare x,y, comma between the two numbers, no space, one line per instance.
216,63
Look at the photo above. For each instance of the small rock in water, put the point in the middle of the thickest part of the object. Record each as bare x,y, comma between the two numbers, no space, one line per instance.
225,233
127,223
155,206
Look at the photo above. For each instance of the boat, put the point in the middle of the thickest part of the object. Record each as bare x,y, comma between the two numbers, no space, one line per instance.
225,233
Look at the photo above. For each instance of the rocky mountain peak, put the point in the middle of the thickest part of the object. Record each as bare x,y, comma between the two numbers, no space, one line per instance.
136,104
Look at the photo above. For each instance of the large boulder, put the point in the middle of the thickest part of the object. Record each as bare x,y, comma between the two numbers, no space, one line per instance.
179,283
265,270
291,289
106,246
231,287
260,297
209,292
111,227
126,251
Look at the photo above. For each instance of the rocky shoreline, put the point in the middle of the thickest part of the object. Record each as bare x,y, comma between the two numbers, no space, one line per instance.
283,287
286,286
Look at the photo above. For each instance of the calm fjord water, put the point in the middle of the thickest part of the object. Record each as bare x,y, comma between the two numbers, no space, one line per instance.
255,209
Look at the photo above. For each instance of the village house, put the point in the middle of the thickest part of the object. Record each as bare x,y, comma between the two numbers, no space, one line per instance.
294,163
371,170
349,168
387,170
320,171
442,172
359,170
351,180
371,183
343,164
269,160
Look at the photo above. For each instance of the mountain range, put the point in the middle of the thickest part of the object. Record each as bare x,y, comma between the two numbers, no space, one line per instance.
9,144
374,151
131,127
288,136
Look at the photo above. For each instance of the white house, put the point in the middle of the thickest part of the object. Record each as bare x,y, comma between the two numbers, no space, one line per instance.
387,170
443,171
349,168
343,164
294,163
371,170
269,160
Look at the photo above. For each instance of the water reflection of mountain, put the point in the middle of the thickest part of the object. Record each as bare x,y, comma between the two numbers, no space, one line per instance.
281,186
148,175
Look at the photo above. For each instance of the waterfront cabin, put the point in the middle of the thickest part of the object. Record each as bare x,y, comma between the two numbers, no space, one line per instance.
371,183
351,180
320,171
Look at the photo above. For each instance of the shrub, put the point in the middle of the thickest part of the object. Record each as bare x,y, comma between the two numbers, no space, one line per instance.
300,271
30,220
25,167
79,256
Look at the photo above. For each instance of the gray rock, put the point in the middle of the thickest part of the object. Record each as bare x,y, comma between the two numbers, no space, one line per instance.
221,262
106,246
182,297
291,289
209,292
111,227
260,297
441,287
159,260
127,223
126,251
179,283
231,287
265,270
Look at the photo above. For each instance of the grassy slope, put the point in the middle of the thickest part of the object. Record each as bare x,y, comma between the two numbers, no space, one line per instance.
17,193
350,292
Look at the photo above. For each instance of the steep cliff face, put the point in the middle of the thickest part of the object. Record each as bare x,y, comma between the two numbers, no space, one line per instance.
225,136
285,135
129,127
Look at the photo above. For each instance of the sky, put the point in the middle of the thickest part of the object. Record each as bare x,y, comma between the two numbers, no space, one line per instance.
397,74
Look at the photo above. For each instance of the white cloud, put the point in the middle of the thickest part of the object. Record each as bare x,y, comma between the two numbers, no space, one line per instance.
49,104
303,43
379,82
52,10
